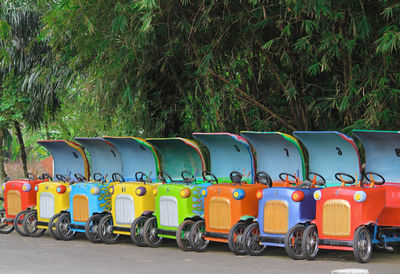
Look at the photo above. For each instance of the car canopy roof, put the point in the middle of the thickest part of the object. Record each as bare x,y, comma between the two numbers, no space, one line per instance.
104,158
178,154
382,152
68,157
228,152
136,155
330,152
276,153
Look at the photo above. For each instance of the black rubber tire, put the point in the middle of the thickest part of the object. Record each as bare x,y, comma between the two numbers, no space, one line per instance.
19,218
53,226
105,230
251,241
63,229
293,240
362,244
150,233
5,228
29,225
137,231
182,235
235,238
196,236
91,228
309,243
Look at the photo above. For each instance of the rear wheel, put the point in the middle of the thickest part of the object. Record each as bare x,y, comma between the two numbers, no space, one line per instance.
53,226
91,228
137,231
182,235
293,240
150,233
18,220
63,227
362,244
235,238
105,230
251,240
29,225
196,236
309,244
4,227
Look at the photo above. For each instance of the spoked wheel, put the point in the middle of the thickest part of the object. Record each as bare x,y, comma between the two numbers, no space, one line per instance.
137,231
235,238
105,230
63,227
182,235
18,220
251,240
91,228
309,244
29,225
150,233
362,244
4,227
196,236
53,226
293,240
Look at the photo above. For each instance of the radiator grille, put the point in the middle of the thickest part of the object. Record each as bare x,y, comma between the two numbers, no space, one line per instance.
124,209
46,209
13,202
80,208
220,213
336,218
276,217
169,211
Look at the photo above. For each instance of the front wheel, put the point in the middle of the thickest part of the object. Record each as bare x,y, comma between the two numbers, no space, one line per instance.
137,231
235,238
309,243
362,244
251,240
4,227
91,228
18,220
105,230
196,236
63,227
29,224
53,226
293,240
182,235
150,233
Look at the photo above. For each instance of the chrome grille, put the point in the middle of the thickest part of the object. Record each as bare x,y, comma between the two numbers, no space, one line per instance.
46,205
169,211
124,209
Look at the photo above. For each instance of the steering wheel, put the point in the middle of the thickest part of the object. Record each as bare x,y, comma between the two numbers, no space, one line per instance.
98,177
188,179
349,182
30,176
117,177
47,176
263,178
60,177
142,177
236,177
80,177
209,180
162,178
381,182
288,175
321,182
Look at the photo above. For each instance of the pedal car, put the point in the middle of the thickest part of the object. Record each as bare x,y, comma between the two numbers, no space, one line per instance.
90,200
53,197
230,203
133,201
360,213
284,212
179,201
19,199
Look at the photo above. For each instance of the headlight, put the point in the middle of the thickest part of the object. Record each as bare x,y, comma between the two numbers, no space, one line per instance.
3,186
259,194
95,190
69,188
297,196
360,196
140,191
111,190
204,192
317,195
36,188
26,187
61,189
185,193
238,194
155,191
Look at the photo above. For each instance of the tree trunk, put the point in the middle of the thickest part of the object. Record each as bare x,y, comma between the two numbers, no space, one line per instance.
22,146
3,174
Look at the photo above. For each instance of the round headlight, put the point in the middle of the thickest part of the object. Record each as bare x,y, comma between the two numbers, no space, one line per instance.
185,193
36,188
95,190
26,187
204,192
155,191
360,196
3,186
111,190
259,194
297,196
238,194
317,195
61,189
140,191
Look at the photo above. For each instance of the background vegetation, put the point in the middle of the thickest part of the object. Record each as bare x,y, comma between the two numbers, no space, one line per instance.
166,68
